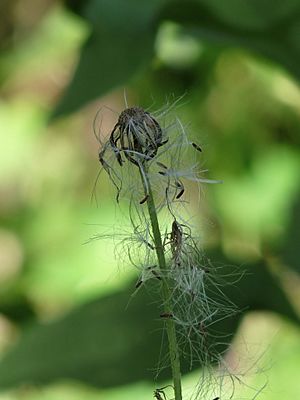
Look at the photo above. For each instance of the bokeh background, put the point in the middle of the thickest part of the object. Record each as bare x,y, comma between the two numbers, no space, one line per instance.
65,330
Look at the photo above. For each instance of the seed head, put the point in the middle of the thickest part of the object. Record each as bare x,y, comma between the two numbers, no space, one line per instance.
137,135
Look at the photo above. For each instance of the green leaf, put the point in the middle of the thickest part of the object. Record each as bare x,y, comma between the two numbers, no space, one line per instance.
252,15
99,343
120,44
263,29
291,249
123,35
104,344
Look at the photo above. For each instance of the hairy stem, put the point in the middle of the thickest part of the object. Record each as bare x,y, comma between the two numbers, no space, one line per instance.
166,293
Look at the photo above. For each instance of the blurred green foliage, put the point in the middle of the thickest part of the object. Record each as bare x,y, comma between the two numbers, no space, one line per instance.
123,36
86,346
62,303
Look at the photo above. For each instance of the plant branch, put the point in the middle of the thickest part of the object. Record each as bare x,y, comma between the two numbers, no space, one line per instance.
166,293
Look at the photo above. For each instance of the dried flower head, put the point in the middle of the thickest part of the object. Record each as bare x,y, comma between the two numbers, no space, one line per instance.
165,251
137,135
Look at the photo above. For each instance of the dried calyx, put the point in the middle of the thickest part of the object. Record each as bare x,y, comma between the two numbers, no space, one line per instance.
137,135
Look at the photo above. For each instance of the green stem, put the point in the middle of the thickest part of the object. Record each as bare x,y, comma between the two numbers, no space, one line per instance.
170,324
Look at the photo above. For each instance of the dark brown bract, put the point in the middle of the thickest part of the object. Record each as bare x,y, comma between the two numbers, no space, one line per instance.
137,135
